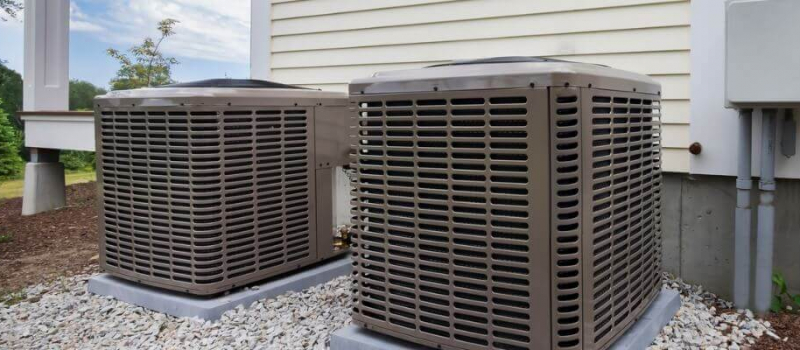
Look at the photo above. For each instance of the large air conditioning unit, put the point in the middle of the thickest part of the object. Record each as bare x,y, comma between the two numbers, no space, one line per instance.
509,203
211,185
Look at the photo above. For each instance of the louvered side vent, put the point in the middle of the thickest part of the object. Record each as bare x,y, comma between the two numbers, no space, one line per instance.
207,197
566,180
443,226
624,189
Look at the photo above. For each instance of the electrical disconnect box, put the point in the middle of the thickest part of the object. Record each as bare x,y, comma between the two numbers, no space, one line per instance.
762,58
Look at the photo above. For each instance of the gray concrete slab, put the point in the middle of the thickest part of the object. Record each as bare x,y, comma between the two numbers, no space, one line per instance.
645,330
638,337
697,223
212,308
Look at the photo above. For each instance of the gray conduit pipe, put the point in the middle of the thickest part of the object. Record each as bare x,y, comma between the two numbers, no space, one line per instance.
744,183
766,214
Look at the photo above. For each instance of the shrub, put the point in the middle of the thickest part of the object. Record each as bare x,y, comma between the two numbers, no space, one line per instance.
77,160
10,142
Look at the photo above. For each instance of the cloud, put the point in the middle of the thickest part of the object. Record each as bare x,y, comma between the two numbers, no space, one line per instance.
217,30
78,20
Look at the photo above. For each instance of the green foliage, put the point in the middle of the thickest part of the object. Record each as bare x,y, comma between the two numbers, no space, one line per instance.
5,238
782,299
9,9
10,142
147,66
10,92
77,160
9,298
81,95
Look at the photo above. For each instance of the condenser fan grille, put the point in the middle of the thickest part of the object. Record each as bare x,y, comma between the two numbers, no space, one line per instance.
205,197
521,218
444,218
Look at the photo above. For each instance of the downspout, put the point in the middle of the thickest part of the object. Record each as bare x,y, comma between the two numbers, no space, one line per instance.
744,183
766,214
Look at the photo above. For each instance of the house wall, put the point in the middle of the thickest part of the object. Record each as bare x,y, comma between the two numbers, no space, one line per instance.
697,226
326,43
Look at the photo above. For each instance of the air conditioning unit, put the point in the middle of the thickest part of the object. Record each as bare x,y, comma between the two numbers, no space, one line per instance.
211,185
509,203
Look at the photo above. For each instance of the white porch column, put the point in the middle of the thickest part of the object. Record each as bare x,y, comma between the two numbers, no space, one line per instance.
260,38
46,69
46,88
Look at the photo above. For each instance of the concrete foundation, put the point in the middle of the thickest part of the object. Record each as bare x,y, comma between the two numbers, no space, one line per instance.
184,305
44,188
638,337
698,230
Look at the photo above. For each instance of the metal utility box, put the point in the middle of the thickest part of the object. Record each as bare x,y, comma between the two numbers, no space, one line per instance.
210,185
762,53
509,203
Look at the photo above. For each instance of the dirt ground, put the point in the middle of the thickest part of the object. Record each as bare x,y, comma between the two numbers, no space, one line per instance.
57,243
787,325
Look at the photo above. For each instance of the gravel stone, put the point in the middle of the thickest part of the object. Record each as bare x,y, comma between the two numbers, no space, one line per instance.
62,314
705,321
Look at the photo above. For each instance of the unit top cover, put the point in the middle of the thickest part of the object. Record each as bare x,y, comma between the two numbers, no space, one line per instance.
503,73
223,91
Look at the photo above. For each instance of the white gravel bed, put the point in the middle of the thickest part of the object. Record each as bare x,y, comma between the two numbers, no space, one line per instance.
708,322
63,315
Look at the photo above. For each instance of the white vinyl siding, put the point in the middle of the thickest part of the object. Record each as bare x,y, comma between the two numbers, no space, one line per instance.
327,43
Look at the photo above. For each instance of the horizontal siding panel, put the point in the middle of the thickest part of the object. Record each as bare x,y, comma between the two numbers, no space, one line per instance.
675,62
327,43
343,87
439,12
675,160
643,40
673,87
296,9
661,15
675,136
326,87
675,112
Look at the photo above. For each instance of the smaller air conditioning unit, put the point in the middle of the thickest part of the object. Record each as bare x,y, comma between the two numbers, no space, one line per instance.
211,185
506,203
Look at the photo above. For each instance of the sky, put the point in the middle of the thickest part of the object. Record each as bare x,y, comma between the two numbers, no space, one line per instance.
212,40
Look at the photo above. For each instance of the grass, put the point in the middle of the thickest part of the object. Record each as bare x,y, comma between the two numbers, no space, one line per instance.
13,188
12,297
5,238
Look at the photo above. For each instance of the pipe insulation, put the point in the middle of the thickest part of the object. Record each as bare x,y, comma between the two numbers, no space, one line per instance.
744,183
766,214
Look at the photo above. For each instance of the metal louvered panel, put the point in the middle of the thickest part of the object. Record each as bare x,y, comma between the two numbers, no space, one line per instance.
205,199
622,193
566,181
451,206
448,186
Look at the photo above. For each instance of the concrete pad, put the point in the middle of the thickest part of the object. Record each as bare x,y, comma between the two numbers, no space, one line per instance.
43,188
212,308
645,330
638,337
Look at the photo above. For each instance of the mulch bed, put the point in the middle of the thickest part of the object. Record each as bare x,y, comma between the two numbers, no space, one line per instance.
786,325
62,242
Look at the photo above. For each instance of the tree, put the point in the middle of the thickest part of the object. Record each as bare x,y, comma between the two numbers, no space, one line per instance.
10,141
81,95
81,98
10,92
147,66
10,8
